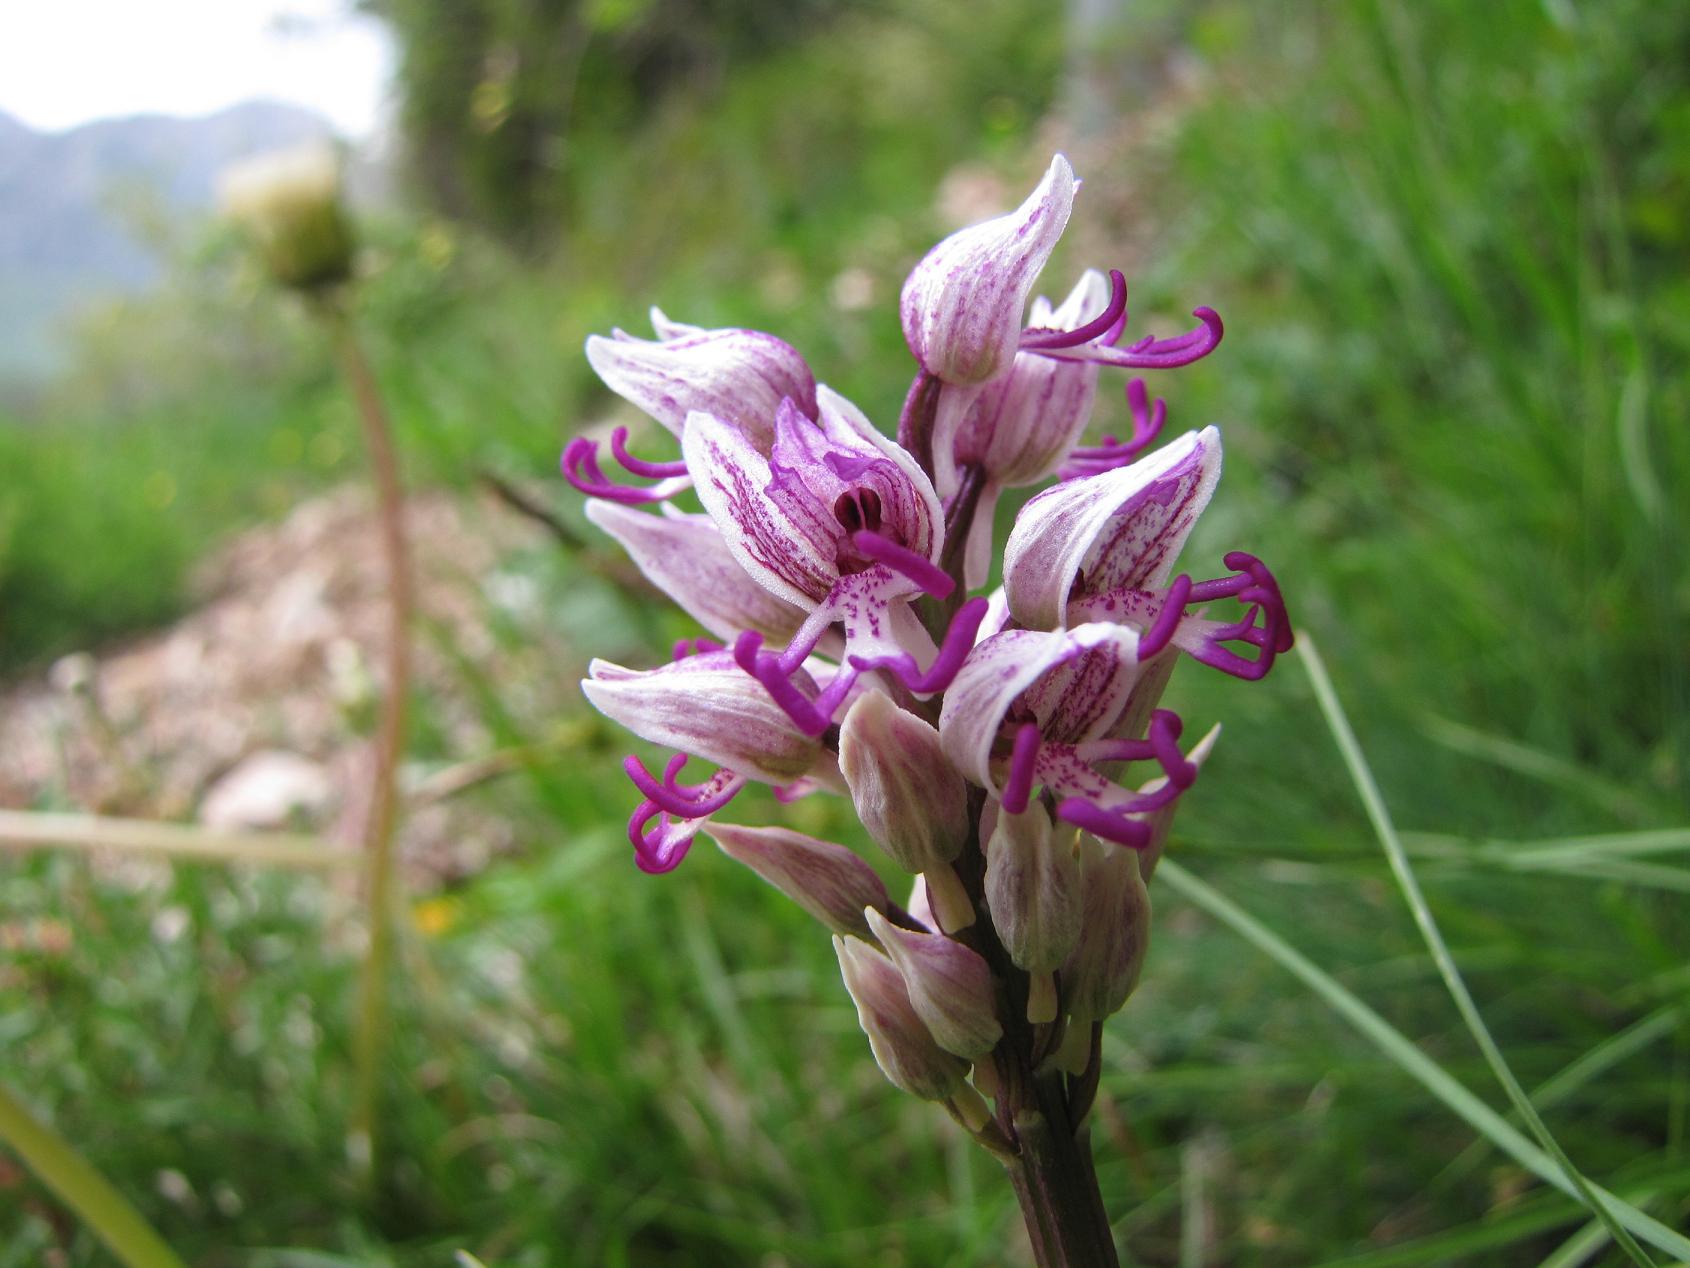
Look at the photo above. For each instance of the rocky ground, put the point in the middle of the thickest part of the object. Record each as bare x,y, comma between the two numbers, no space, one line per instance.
254,710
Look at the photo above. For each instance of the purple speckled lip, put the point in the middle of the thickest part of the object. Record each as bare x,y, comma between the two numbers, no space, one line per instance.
831,561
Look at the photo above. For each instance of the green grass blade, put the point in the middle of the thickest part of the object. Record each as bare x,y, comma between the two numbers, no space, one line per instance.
1586,1067
1401,1051
1585,1244
1579,851
1522,759
68,1174
1589,849
1403,870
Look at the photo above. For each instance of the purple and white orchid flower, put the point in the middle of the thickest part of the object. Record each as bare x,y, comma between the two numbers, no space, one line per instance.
1102,548
704,706
961,312
1031,708
839,520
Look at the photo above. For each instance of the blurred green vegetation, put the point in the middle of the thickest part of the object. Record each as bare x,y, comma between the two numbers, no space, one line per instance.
1448,243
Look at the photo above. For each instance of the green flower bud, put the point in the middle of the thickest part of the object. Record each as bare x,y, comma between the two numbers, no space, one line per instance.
1033,891
907,793
903,1047
1103,968
950,986
289,203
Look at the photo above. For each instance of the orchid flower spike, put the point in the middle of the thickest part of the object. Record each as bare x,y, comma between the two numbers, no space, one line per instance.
987,744
1103,547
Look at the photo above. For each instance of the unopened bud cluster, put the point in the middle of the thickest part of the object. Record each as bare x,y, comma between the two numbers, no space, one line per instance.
988,744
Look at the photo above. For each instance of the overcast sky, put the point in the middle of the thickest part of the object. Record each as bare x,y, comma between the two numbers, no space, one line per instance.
64,62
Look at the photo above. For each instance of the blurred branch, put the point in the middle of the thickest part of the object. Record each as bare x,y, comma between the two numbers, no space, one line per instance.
528,506
613,567
26,830
449,781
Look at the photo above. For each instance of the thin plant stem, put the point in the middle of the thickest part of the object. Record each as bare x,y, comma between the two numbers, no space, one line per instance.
1408,1058
370,1035
58,1165
25,830
1403,870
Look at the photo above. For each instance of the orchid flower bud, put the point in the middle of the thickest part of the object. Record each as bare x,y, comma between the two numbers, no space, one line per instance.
826,880
962,304
739,376
1033,891
908,796
950,986
1021,427
289,201
1103,968
903,1047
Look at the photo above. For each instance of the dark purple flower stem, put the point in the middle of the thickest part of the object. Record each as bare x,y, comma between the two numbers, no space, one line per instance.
1040,1110
935,613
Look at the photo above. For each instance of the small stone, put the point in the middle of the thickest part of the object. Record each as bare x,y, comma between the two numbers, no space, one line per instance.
267,790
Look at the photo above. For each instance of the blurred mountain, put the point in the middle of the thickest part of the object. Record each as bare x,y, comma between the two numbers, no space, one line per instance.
77,207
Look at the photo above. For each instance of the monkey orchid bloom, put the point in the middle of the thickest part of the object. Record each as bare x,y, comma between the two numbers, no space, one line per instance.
706,707
961,313
838,520
1030,708
1102,548
739,376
